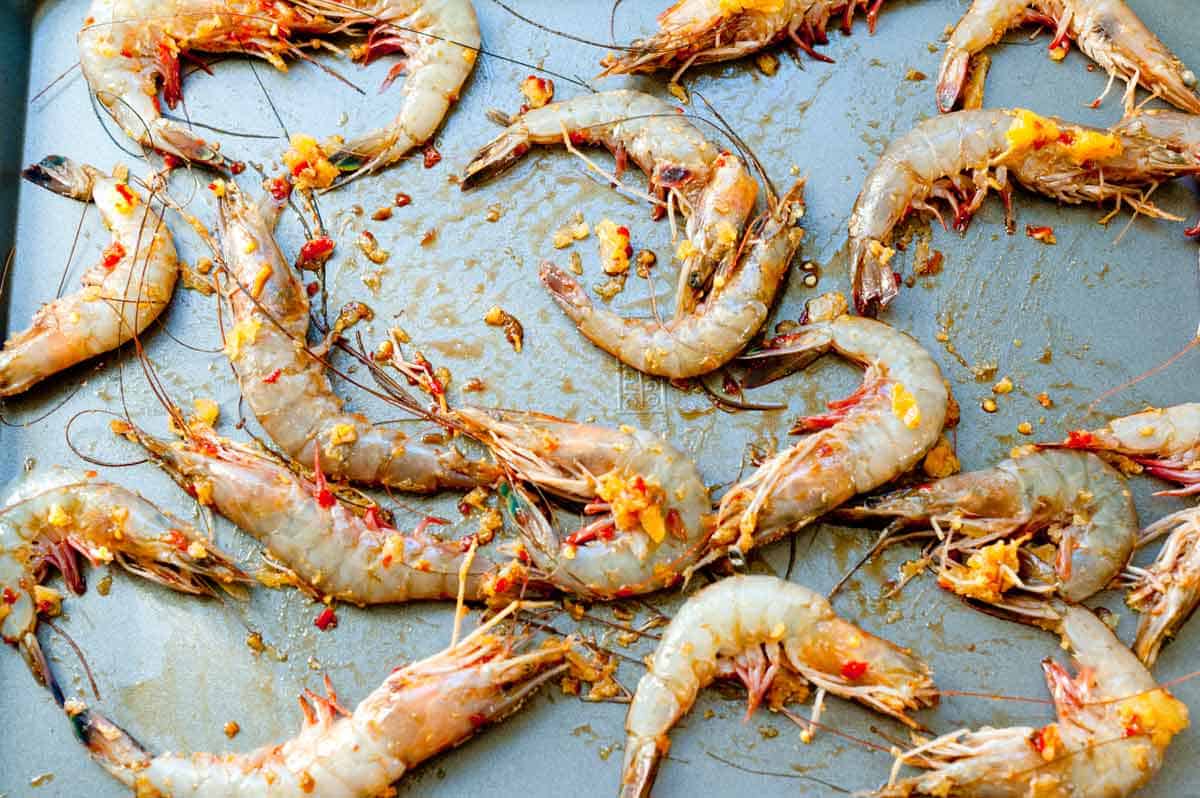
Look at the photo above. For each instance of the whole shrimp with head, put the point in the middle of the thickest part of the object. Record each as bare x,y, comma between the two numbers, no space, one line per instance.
285,383
1113,729
122,294
1107,31
330,543
864,441
712,189
1045,523
420,710
959,157
693,32
646,509
55,516
776,636
1165,441
127,48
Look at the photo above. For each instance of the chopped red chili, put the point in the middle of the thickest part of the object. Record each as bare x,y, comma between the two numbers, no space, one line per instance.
272,377
177,539
1080,440
432,156
326,620
170,161
403,199
312,288
1038,741
237,167
113,255
316,249
854,670
280,188
9,596
126,193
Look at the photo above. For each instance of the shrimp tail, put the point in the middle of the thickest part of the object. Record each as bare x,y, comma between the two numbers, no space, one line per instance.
789,353
113,748
496,157
63,176
641,767
952,77
566,291
874,284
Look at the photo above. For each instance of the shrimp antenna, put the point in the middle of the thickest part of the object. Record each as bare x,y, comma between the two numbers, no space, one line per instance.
53,83
1166,364
222,130
87,669
88,458
563,34
62,282
777,774
612,20
743,146
9,423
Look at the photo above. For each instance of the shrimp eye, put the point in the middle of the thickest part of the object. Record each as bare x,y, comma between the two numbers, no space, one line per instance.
673,175
1189,78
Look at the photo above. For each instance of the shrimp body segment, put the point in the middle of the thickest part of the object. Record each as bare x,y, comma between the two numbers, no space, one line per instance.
286,385
721,325
1072,500
880,432
1164,441
1111,736
646,508
1107,31
762,628
56,516
959,157
122,294
704,31
328,547
420,710
129,47
1167,592
714,189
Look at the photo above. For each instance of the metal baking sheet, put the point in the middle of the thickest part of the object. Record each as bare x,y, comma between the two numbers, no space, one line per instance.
173,670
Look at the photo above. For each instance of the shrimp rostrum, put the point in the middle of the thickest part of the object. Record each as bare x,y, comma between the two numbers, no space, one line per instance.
1164,441
129,48
1044,524
864,441
957,158
1107,31
694,32
54,517
122,294
419,711
769,633
645,505
1111,736
728,280
285,381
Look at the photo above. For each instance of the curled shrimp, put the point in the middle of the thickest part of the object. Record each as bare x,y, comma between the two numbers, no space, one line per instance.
646,507
1114,725
996,520
1167,591
57,515
1107,31
419,711
762,629
122,294
713,189
128,47
959,157
285,383
1164,441
864,441
694,32
324,543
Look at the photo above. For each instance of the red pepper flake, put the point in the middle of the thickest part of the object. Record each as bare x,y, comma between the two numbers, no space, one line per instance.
325,498
316,250
9,596
1134,727
403,199
577,137
312,288
1041,233
237,167
271,378
280,188
432,156
171,161
623,230
177,539
298,168
126,194
854,670
1080,440
1038,741
502,585
113,255
326,620
1066,137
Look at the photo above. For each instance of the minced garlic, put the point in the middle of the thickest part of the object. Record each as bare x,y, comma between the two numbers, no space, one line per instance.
308,163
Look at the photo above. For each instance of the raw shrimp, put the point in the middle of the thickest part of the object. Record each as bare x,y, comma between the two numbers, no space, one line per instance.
419,711
1114,726
1165,441
1073,500
866,440
122,294
56,515
958,157
326,544
1107,31
128,46
285,383
743,291
1167,592
761,628
647,507
703,31
713,189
